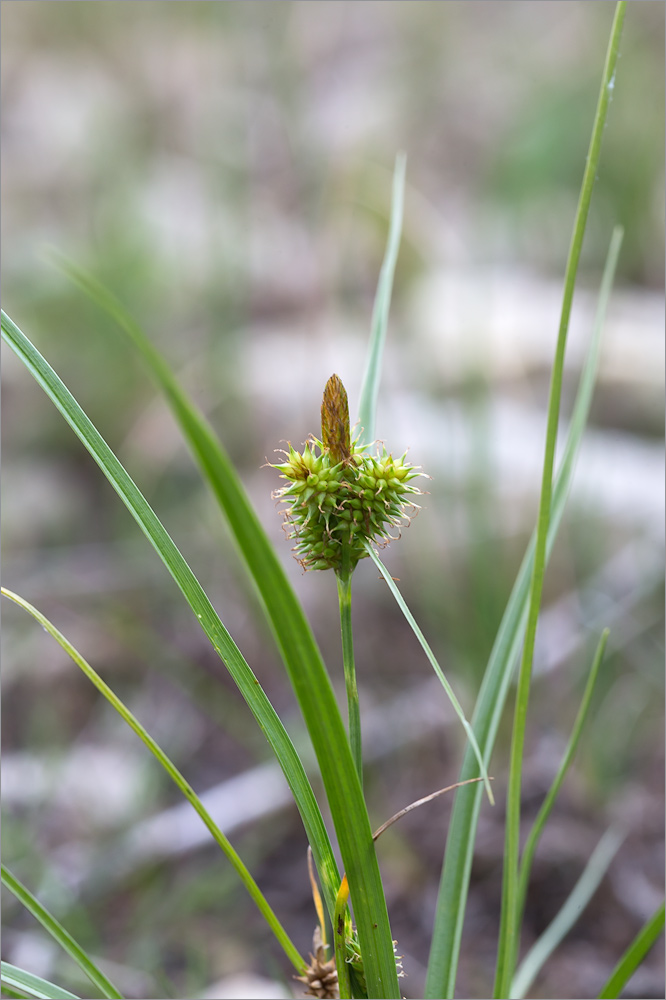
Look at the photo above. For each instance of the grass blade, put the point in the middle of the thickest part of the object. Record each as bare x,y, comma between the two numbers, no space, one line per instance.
293,634
11,991
578,899
548,803
435,665
634,955
450,913
301,655
191,588
508,922
25,984
380,311
60,935
173,772
286,618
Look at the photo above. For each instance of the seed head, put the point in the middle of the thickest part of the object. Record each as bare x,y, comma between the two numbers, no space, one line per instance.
339,495
321,976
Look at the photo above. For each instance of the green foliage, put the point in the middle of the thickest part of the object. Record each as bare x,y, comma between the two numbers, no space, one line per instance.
19,983
576,901
183,785
634,955
59,934
342,500
436,667
302,659
510,903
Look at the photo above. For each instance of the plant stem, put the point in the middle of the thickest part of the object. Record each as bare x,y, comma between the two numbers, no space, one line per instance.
508,937
343,577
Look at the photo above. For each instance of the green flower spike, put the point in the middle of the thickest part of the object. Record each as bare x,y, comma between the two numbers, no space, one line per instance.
339,495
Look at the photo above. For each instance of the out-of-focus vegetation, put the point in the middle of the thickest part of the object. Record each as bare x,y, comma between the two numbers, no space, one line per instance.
226,169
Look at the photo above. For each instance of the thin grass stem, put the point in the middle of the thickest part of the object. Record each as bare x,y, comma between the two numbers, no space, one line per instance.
421,802
370,386
508,923
344,598
435,665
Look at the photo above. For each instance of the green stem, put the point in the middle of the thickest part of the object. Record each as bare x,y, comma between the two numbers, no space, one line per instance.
508,936
343,577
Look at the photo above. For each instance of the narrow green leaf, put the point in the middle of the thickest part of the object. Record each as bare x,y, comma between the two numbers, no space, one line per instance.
26,984
59,934
380,312
580,895
300,653
286,618
10,991
451,903
434,664
191,588
633,956
544,812
508,921
276,927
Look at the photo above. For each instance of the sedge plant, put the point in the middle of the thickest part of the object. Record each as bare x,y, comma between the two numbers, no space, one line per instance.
344,499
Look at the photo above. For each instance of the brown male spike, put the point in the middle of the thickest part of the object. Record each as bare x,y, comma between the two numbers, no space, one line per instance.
335,433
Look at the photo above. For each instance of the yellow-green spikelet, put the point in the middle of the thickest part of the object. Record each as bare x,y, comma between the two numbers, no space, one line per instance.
340,495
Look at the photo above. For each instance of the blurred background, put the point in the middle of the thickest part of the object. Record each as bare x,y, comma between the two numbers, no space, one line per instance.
225,168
